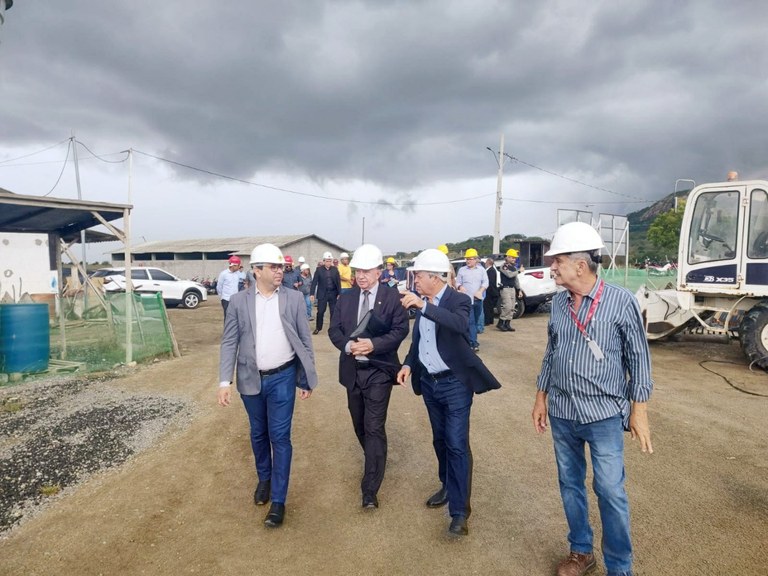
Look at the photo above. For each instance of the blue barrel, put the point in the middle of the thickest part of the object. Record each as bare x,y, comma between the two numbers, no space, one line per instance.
25,339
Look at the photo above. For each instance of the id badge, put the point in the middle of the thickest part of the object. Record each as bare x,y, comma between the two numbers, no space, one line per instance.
595,349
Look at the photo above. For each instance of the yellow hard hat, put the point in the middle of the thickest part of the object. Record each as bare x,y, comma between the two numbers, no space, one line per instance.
470,253
512,252
391,260
443,248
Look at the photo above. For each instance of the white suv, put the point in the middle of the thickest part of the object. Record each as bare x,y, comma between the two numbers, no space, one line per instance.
536,285
174,291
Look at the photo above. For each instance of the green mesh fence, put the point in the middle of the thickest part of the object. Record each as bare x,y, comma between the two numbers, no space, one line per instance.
97,336
633,278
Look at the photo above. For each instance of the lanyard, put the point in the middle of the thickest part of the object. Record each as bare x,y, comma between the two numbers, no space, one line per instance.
583,327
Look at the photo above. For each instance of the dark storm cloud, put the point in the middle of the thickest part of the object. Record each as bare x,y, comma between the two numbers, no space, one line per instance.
625,95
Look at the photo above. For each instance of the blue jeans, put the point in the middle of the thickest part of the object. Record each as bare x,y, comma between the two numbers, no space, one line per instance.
270,413
308,302
448,403
606,448
474,313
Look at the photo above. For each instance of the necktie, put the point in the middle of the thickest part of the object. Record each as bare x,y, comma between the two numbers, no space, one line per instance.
364,307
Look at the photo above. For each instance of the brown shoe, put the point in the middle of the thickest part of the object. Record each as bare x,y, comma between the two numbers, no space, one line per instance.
576,564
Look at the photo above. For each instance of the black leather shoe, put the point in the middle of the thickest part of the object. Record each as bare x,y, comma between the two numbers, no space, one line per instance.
316,332
262,493
458,526
370,501
275,515
439,498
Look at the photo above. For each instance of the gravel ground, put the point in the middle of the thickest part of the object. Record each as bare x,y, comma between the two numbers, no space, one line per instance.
57,432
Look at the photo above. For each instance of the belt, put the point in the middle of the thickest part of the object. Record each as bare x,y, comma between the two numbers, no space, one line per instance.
440,375
272,371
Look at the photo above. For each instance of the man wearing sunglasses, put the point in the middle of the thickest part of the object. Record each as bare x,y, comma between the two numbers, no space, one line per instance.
266,335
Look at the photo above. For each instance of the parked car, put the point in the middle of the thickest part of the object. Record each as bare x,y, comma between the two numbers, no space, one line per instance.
536,286
174,290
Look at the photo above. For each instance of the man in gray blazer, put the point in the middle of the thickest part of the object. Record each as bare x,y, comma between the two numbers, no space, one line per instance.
266,336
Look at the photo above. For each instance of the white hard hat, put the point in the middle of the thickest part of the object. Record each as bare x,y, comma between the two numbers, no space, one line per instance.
343,255
301,260
574,237
366,257
327,256
431,260
304,267
267,254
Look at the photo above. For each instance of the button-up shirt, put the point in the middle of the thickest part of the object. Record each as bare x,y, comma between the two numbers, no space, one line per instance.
428,354
272,346
581,387
228,283
472,279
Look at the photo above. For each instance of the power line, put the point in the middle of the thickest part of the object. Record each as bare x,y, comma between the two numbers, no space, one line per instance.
64,165
308,194
102,158
570,179
34,153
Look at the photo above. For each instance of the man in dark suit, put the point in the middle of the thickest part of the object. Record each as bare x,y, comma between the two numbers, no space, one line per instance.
326,287
369,363
266,336
444,369
491,293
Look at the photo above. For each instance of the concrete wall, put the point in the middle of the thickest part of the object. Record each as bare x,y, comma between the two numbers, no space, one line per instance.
25,265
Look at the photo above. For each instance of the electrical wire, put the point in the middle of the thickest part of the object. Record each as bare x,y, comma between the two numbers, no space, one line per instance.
64,165
101,157
572,179
308,194
33,153
731,384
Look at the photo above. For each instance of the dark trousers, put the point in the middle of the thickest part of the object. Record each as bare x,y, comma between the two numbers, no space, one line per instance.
330,301
448,404
224,304
368,401
488,305
270,414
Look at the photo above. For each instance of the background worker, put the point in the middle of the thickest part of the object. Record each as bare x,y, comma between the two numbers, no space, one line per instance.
594,384
326,287
389,276
509,286
345,273
228,282
368,365
273,357
472,280
304,288
452,273
444,370
291,277
492,293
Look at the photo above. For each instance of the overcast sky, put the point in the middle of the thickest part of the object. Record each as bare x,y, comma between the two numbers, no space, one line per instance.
379,110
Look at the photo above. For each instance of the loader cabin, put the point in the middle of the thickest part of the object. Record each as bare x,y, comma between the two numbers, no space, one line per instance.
724,242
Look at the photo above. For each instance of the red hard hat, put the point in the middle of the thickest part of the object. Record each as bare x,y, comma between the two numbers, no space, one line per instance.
234,260
288,260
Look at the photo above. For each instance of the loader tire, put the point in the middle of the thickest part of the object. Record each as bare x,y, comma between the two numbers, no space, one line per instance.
753,335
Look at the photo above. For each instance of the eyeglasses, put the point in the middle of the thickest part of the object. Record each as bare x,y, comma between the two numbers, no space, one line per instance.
274,267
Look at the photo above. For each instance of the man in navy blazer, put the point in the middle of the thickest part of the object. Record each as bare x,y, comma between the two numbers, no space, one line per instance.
447,373
368,363
266,337
326,287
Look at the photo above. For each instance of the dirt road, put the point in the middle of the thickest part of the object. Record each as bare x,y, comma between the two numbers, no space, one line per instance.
184,505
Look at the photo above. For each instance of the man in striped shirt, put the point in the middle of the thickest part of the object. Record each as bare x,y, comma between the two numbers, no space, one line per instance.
594,384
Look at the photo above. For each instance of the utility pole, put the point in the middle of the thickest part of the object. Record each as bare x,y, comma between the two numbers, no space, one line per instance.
82,232
497,222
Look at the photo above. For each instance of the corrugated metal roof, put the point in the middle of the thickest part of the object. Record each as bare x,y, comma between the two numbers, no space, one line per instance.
237,245
41,214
